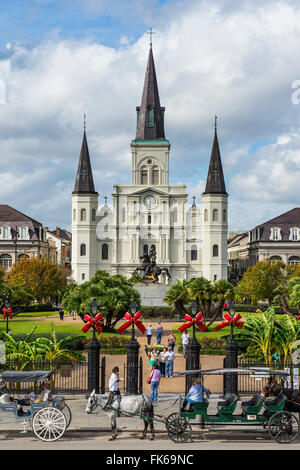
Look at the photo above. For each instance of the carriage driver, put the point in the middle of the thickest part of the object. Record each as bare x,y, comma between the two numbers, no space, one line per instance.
195,395
113,388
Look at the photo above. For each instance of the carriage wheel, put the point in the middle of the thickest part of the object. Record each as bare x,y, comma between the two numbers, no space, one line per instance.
68,415
179,429
49,424
283,427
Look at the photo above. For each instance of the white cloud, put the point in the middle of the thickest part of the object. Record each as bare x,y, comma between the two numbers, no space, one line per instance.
236,61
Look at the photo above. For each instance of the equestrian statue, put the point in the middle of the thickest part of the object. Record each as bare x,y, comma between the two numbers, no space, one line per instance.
149,268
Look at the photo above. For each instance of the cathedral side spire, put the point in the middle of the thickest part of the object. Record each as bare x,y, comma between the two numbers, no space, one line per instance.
84,182
150,115
215,183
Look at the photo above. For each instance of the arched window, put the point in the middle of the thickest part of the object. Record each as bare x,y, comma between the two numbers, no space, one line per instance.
194,253
105,251
149,219
145,249
22,255
155,175
93,215
74,215
274,259
83,215
215,251
6,260
144,175
224,215
83,249
215,215
206,215
294,260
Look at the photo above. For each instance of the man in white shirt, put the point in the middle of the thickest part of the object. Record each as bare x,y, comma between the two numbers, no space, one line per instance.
113,387
170,356
185,338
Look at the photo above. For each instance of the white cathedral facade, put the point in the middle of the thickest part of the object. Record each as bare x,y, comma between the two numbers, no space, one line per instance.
149,212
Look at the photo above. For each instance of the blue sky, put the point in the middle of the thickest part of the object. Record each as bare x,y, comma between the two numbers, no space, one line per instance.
61,59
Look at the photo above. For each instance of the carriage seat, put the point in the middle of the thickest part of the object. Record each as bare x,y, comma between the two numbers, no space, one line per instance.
277,404
254,405
228,406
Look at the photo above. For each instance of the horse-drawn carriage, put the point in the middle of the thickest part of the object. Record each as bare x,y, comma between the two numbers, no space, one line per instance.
49,417
275,415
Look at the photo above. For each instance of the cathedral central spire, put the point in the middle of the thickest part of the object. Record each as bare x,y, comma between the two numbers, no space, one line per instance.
150,115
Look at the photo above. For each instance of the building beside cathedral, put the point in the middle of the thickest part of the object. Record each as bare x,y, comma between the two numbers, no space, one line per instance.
190,241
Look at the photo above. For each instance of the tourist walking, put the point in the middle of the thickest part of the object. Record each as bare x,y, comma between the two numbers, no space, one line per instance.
171,340
155,378
170,356
185,338
159,332
149,332
162,362
154,358
61,312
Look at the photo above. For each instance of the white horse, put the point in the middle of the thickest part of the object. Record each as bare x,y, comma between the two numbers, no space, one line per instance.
132,404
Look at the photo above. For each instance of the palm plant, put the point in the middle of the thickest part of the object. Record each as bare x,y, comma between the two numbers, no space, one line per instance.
286,332
178,296
23,351
260,332
56,352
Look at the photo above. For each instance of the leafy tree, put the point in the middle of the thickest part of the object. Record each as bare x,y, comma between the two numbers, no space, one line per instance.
205,292
261,280
37,277
289,294
114,294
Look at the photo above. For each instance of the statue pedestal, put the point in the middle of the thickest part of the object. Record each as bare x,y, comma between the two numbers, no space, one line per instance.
152,295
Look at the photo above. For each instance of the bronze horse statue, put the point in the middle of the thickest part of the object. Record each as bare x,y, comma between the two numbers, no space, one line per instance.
149,267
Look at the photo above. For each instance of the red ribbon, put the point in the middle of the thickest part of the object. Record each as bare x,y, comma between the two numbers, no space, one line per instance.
90,321
190,322
131,319
7,312
230,320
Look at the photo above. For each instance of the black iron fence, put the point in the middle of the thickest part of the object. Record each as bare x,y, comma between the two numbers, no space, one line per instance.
123,387
68,377
248,384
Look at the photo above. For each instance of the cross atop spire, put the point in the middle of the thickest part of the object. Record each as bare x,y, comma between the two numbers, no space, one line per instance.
150,115
151,32
215,182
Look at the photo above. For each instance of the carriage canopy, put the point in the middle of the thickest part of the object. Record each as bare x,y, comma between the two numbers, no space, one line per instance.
251,371
26,375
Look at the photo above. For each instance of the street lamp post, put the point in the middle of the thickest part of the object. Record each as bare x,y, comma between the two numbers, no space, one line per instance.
7,315
192,350
132,357
93,348
231,361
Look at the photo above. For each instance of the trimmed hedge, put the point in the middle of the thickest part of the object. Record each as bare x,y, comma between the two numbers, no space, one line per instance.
254,308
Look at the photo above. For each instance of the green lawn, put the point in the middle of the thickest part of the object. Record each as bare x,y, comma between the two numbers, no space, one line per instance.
25,326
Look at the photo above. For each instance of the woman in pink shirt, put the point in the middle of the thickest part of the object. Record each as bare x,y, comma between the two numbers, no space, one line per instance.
155,378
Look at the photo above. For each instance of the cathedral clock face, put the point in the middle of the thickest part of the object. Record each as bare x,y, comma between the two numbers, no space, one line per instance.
150,201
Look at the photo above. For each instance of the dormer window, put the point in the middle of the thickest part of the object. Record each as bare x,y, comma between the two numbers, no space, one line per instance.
6,233
294,235
23,233
275,234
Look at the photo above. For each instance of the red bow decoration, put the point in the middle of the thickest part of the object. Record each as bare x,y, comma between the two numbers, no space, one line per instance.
191,320
229,320
7,312
131,319
90,321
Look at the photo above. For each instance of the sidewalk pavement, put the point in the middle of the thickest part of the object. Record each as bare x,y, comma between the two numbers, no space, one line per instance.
98,421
